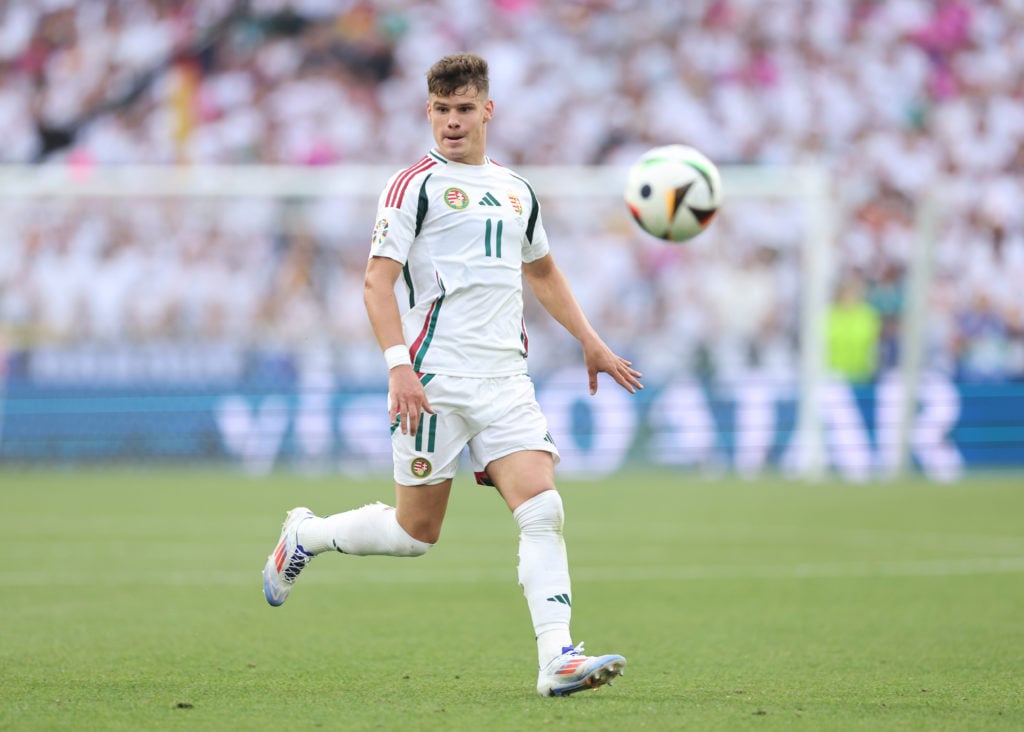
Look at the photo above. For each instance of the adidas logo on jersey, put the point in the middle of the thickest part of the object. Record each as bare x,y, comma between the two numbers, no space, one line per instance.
489,200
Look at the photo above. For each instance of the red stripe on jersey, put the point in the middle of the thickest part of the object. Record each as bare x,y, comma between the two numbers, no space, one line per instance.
424,330
397,190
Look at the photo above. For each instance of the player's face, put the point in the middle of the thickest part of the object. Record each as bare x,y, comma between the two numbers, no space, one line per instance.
459,123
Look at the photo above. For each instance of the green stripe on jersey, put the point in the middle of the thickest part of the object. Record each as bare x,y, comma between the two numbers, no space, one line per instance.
407,275
417,362
421,205
534,209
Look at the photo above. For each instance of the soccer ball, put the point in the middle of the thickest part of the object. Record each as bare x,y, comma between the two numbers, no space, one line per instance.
673,192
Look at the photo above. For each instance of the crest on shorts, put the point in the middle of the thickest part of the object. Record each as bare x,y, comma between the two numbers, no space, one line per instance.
420,467
516,203
456,198
380,232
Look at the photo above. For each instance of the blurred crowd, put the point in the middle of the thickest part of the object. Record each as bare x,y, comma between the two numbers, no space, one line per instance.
900,100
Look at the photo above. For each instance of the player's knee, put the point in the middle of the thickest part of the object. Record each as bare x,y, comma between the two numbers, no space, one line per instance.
414,542
411,548
541,514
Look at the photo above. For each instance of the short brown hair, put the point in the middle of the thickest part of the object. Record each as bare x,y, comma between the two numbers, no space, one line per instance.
456,73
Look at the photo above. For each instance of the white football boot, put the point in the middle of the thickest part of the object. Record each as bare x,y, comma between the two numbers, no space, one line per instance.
572,672
287,560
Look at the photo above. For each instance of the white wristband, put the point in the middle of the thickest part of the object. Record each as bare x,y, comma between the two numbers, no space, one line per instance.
397,356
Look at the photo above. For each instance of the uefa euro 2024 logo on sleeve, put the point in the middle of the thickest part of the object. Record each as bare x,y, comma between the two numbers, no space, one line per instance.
380,232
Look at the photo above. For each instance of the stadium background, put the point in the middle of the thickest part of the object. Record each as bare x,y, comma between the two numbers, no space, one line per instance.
219,328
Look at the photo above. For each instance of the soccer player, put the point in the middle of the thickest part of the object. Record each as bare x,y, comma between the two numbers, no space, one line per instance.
462,231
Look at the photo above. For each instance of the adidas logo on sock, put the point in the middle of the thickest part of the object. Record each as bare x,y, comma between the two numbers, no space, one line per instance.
563,598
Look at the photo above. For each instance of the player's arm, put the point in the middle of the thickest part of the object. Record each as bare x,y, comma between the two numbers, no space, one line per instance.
406,394
552,290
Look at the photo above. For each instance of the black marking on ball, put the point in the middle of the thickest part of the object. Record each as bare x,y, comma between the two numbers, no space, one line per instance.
680,194
702,215
645,190
705,176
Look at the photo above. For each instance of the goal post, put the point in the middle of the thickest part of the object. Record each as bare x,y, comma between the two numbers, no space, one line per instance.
913,334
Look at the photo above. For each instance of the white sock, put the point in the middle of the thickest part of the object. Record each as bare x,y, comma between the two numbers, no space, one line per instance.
550,644
372,529
544,572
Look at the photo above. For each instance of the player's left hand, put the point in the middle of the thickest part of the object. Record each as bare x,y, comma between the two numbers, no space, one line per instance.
599,358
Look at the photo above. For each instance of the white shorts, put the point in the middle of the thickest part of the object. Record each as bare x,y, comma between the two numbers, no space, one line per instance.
495,417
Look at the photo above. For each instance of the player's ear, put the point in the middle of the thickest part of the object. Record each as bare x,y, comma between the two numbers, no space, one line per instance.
428,109
488,110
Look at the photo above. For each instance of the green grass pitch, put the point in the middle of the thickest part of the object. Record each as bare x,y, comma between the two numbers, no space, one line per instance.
131,600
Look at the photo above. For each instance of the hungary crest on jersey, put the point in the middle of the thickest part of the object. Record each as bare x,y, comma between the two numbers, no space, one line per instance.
456,198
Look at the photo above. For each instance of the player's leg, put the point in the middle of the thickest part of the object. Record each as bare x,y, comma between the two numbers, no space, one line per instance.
516,454
420,510
525,480
371,529
424,465
408,529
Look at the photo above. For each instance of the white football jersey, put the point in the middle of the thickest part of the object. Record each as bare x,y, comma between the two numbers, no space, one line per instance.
462,233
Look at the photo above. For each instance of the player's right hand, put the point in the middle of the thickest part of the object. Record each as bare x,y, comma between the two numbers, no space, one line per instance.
407,400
